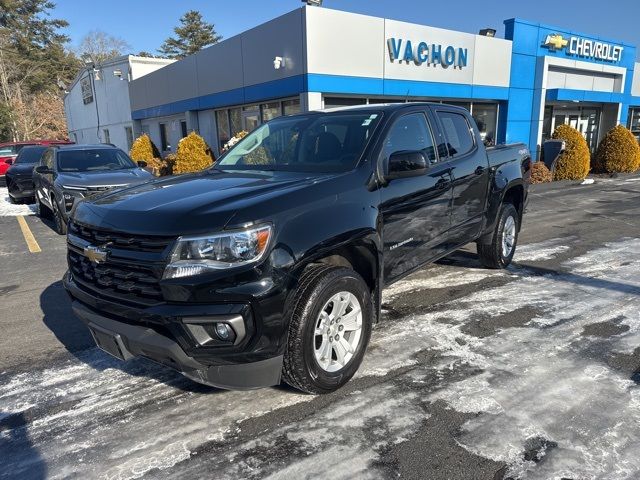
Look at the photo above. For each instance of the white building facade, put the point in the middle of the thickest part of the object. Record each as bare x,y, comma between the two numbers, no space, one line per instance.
97,105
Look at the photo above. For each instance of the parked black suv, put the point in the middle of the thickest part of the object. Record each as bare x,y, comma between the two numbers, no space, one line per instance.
20,174
270,265
69,173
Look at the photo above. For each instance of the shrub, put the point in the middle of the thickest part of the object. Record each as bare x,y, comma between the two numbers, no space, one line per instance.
618,152
540,173
573,163
193,155
144,149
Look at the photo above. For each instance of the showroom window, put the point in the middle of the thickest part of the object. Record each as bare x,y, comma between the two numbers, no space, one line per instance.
222,122
335,102
486,117
128,132
183,128
235,121
291,107
270,111
164,143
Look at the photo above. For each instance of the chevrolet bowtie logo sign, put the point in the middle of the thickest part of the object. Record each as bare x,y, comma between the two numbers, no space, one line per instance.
95,254
555,42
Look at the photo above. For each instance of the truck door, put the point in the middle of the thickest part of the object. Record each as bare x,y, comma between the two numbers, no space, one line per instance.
415,210
470,174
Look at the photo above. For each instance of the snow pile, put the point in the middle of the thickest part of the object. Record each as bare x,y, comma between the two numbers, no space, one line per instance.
8,209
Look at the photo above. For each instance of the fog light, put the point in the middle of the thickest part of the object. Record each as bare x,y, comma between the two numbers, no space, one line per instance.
224,332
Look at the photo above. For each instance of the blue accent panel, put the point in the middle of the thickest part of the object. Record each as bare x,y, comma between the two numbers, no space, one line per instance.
520,104
525,38
222,99
285,87
568,95
166,109
518,132
414,88
523,71
634,101
317,82
489,93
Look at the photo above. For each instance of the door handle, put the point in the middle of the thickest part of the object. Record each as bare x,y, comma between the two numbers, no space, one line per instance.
479,170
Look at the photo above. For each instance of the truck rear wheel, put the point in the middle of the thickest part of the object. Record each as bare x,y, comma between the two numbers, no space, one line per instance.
499,253
330,326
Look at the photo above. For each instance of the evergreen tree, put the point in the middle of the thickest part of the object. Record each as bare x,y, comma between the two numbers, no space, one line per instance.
192,35
33,63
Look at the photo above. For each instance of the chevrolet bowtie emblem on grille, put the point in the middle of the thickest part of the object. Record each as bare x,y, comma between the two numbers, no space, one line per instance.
555,42
95,254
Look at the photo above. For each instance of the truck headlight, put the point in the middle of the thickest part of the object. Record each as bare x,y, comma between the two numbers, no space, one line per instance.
195,255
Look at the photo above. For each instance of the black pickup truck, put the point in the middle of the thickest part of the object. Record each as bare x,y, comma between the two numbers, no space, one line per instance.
270,265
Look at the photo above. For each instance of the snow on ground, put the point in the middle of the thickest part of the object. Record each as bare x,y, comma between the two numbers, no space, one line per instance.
8,209
542,385
535,252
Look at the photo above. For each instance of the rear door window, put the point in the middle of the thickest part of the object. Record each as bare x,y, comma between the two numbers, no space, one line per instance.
457,132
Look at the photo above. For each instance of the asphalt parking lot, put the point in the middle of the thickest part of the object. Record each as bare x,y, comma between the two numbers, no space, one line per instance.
527,373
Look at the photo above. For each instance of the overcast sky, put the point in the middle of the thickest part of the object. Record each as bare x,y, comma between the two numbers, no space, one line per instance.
144,24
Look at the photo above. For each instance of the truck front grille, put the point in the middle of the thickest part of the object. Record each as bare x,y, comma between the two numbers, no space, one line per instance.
153,244
131,283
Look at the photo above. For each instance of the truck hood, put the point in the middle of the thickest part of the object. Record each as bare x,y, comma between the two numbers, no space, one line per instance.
100,178
188,204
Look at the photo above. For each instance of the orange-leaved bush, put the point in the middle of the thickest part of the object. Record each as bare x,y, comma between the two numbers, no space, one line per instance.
193,155
540,173
618,152
574,162
143,149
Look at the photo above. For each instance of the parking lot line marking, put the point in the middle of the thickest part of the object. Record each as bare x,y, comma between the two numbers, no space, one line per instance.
28,236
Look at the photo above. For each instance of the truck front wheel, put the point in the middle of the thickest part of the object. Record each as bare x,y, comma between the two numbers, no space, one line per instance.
499,253
329,329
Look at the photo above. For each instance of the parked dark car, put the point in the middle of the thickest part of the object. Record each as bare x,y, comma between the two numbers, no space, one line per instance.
19,177
270,265
67,174
10,150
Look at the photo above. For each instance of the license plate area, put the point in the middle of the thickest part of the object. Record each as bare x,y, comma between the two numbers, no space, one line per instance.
109,342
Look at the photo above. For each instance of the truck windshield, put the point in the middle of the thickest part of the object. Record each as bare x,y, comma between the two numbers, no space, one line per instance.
93,159
305,143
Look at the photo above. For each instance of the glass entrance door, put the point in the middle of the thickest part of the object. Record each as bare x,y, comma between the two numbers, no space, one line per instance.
583,119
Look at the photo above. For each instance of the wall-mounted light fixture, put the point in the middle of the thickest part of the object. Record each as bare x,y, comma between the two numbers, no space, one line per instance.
488,32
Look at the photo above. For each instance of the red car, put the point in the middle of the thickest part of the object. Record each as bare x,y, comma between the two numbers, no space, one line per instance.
9,151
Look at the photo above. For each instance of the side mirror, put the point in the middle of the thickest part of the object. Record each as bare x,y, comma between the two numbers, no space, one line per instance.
43,170
9,161
142,163
406,164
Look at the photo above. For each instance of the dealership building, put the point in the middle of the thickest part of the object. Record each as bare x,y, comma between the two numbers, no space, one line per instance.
519,88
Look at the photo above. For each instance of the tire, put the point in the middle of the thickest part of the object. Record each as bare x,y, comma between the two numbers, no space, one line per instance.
41,210
496,254
319,286
58,219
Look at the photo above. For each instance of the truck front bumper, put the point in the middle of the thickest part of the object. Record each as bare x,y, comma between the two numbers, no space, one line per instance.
126,341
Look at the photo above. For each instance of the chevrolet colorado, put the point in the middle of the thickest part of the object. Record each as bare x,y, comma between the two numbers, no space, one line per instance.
270,265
